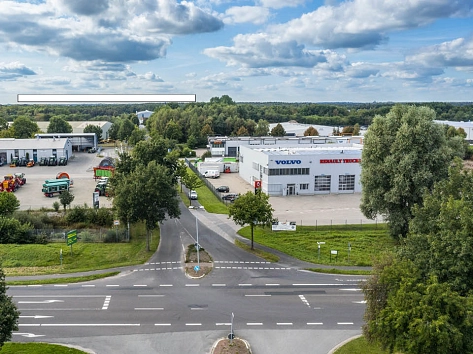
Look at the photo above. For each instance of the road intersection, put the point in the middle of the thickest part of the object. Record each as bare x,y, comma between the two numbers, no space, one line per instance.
156,308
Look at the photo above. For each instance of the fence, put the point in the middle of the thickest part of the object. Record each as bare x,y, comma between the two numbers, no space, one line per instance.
209,185
84,235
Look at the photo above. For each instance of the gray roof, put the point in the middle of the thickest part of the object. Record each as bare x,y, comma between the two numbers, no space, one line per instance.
29,144
348,150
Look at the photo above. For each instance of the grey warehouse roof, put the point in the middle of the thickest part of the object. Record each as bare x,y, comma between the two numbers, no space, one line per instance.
349,150
28,144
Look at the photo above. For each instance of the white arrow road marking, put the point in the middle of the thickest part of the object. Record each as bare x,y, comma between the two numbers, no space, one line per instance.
40,302
29,335
36,316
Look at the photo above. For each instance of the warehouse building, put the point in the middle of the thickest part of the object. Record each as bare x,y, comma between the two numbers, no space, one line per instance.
34,148
79,141
230,146
321,169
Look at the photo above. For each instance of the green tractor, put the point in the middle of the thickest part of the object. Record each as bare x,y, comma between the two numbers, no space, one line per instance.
62,161
52,161
43,161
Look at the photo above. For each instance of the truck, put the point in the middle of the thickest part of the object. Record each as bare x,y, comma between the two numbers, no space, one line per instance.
56,187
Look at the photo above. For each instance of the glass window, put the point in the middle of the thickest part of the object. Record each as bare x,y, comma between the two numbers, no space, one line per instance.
346,182
322,183
303,186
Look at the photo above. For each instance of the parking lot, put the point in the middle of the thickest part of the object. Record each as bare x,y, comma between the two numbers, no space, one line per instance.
305,210
79,168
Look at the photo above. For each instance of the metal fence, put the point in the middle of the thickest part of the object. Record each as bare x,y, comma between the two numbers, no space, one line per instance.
209,185
84,235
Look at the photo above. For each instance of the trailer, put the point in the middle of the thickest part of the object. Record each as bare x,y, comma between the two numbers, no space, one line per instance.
56,187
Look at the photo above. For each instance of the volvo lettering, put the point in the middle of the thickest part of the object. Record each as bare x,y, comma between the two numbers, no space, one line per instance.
288,162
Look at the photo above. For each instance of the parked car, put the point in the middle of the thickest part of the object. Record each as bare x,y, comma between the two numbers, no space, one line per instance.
193,195
223,189
230,197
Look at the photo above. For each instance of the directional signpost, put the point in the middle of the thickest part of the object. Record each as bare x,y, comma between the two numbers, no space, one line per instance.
71,238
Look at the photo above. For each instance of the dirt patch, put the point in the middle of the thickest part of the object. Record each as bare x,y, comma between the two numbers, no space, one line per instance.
205,262
236,347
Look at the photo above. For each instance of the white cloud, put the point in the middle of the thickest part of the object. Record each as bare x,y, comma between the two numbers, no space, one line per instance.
14,70
457,53
241,14
278,4
107,30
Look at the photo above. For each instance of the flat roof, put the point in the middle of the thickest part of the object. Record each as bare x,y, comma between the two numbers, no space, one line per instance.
316,150
29,144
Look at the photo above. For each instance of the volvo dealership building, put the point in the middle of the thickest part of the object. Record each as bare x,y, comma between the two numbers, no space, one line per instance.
321,169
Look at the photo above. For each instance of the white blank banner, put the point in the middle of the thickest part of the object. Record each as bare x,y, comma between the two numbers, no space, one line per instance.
104,98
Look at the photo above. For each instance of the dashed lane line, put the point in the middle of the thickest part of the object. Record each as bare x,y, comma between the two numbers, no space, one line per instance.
106,302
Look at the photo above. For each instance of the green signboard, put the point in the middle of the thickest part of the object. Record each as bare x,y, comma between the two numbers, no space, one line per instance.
71,237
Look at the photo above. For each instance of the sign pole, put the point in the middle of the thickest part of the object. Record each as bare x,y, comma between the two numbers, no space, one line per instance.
231,330
60,256
198,245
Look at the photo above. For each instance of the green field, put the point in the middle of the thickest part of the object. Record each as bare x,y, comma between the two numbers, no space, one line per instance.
37,348
45,259
359,346
366,242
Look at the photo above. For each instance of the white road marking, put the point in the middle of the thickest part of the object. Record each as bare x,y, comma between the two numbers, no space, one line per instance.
304,300
359,302
162,324
90,325
349,289
257,295
192,284
140,285
254,324
151,295
344,323
245,284
165,285
219,284
112,285
272,284
28,335
40,302
193,324
314,323
106,302
223,324
36,316
61,285
88,286
149,308
284,323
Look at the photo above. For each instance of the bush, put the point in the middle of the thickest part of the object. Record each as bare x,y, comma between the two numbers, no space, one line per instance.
104,217
110,237
77,214
206,154
56,206
25,217
12,231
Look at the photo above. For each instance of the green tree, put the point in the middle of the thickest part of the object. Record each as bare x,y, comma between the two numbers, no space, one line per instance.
278,130
66,198
8,203
9,314
126,128
251,209
59,125
356,129
242,131
207,131
136,136
262,128
24,128
192,181
90,128
181,171
404,153
173,131
147,194
311,131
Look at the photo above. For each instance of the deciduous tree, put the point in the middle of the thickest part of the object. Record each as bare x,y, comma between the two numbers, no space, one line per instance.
251,209
66,198
9,314
192,181
311,131
90,128
262,128
8,203
59,125
24,128
404,153
278,130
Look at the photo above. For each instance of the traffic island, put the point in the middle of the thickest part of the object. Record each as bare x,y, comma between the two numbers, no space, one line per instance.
235,346
198,264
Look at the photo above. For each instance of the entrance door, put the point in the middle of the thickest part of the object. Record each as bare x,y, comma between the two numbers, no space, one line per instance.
291,189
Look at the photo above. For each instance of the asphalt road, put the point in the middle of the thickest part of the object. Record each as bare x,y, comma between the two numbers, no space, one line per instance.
156,308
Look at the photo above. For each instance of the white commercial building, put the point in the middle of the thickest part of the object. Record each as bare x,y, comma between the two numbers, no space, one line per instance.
34,148
321,169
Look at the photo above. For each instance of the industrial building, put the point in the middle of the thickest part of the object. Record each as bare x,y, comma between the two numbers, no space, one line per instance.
34,148
79,141
320,169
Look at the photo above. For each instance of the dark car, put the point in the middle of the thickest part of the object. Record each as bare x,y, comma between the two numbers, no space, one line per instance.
223,189
230,197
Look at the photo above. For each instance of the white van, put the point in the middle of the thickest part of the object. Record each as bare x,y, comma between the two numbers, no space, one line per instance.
211,174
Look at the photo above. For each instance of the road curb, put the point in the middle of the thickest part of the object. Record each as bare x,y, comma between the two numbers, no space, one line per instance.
223,338
339,345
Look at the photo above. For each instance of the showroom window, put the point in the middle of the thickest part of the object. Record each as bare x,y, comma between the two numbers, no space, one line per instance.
322,183
346,182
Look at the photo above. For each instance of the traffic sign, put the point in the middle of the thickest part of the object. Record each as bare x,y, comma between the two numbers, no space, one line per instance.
71,237
196,268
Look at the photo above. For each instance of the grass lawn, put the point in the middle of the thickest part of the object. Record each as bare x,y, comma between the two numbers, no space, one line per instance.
358,346
366,241
63,280
37,348
44,259
206,198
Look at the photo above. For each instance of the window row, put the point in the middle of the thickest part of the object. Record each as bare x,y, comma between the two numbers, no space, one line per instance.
345,183
288,171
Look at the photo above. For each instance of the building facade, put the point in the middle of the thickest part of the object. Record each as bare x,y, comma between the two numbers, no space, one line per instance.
34,148
303,170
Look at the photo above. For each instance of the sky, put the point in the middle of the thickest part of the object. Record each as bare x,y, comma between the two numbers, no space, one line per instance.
253,51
